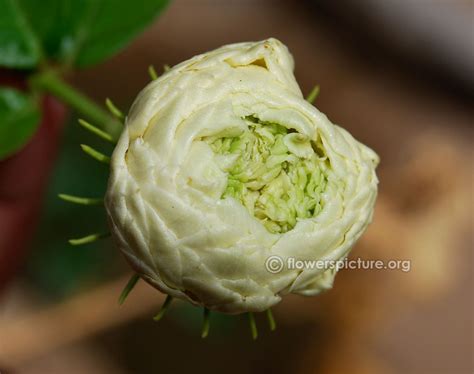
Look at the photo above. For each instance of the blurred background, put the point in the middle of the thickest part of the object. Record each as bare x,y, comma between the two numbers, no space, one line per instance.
399,75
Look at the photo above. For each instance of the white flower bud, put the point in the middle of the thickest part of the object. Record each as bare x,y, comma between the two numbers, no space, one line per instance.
221,165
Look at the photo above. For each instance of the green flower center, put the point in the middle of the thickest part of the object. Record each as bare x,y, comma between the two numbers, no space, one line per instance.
276,173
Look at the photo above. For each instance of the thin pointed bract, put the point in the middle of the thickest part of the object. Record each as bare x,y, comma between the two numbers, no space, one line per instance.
253,326
205,324
113,109
313,94
95,154
96,131
163,309
128,288
152,73
88,239
80,200
271,320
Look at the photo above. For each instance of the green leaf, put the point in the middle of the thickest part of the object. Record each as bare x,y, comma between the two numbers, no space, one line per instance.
19,46
19,117
72,32
115,24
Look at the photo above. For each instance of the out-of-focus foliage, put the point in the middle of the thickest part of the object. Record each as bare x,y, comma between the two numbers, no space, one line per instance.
56,268
73,32
38,35
19,117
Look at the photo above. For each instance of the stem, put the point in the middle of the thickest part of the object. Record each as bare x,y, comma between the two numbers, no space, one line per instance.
81,200
164,308
88,239
271,320
253,326
152,73
96,155
128,287
312,96
205,324
52,83
96,131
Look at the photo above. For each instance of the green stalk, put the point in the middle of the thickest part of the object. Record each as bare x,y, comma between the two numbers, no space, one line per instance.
52,83
128,288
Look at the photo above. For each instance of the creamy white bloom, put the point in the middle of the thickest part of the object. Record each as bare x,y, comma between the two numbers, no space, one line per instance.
222,164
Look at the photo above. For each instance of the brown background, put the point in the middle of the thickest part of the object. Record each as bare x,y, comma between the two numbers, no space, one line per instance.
417,119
